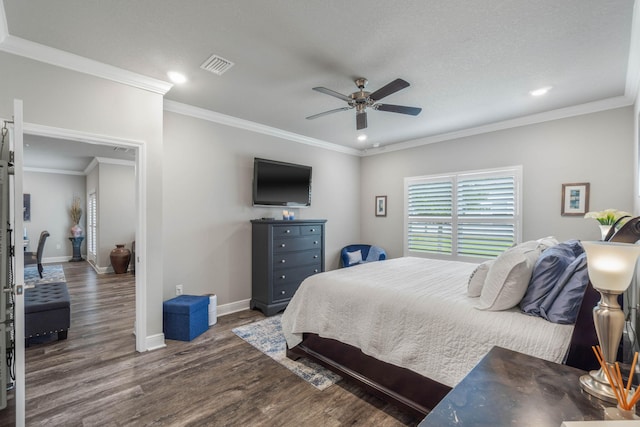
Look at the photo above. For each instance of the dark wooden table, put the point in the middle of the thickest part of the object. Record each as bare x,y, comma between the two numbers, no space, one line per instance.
507,388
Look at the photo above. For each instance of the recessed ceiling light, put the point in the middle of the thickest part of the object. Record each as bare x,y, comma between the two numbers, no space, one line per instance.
376,145
362,137
541,91
177,78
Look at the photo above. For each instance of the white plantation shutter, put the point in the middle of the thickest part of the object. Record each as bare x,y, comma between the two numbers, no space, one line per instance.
430,206
463,215
92,226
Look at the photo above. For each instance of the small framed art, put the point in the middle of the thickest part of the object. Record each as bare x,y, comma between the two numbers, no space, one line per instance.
381,205
575,199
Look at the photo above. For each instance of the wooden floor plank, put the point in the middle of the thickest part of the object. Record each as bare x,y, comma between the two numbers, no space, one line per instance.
96,378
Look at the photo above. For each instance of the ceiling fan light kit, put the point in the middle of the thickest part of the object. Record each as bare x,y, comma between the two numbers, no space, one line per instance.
361,100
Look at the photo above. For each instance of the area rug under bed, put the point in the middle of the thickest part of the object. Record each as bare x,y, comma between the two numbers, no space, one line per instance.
266,335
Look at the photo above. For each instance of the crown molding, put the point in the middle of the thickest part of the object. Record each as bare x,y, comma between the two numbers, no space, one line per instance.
56,171
105,160
562,113
79,136
212,116
61,58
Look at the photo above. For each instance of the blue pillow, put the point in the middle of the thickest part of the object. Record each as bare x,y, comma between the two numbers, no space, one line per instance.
547,270
563,303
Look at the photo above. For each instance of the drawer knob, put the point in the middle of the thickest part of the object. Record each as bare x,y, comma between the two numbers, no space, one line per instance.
282,245
315,256
315,242
312,230
283,277
282,292
315,271
288,231
283,261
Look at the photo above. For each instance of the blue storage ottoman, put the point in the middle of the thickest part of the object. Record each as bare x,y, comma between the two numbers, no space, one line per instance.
185,317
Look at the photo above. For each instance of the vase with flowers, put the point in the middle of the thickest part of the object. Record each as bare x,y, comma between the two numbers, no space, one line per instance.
76,213
609,218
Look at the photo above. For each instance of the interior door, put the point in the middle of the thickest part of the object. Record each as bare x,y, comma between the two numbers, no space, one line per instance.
16,221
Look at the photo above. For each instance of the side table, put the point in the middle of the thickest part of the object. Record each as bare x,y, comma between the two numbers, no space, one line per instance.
75,243
507,388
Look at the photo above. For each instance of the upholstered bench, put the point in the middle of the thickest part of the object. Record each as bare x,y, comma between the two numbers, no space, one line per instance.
47,310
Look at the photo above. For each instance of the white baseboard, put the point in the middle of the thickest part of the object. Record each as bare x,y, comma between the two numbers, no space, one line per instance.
233,307
155,342
55,259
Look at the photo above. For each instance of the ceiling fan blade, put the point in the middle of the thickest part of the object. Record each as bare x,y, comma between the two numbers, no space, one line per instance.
333,93
361,120
390,88
413,111
315,116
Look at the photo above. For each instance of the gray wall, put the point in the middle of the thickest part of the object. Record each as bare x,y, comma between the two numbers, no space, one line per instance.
51,197
208,172
66,99
116,209
595,148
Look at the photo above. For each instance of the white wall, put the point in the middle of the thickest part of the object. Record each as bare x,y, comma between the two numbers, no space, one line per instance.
208,172
66,99
596,148
51,197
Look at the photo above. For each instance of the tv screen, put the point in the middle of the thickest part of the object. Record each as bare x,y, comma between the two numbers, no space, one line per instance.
281,184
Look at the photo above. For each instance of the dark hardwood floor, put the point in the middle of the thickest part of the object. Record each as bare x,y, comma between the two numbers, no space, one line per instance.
96,378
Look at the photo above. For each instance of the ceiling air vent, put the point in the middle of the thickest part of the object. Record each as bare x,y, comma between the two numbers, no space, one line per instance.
216,65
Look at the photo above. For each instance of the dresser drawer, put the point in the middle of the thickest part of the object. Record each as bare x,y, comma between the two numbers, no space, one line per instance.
294,259
286,231
295,275
306,230
284,291
286,282
297,244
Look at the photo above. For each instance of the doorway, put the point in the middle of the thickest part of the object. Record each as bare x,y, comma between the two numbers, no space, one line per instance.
78,137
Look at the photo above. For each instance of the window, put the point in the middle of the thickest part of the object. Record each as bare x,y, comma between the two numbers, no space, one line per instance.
466,215
92,226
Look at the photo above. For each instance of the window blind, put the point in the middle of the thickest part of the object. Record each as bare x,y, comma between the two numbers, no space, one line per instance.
462,215
92,226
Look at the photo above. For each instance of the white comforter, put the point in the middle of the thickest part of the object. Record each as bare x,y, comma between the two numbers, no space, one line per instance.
415,313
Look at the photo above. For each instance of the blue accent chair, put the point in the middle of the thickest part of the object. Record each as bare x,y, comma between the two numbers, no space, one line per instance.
369,254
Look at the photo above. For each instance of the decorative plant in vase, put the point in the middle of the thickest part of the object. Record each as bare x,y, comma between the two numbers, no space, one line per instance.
76,213
609,218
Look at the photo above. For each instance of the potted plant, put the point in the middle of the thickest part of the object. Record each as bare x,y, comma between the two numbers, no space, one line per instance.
76,213
608,218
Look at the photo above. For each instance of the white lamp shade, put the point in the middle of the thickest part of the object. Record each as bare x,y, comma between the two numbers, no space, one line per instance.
611,265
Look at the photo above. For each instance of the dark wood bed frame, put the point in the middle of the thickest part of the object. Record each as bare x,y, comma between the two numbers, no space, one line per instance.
418,394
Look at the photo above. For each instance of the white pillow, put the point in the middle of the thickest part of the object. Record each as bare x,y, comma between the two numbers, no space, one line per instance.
477,279
355,257
509,276
547,242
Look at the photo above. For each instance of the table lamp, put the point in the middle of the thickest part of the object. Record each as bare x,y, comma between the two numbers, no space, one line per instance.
611,266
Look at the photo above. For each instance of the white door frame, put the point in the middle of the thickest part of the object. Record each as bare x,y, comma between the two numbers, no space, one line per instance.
16,216
141,197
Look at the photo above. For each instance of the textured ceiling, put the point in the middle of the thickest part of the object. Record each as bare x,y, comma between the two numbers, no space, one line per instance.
470,63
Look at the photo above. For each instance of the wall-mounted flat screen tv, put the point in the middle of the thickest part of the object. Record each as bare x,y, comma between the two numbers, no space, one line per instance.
281,184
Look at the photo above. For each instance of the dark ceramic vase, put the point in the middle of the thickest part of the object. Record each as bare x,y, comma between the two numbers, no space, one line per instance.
120,257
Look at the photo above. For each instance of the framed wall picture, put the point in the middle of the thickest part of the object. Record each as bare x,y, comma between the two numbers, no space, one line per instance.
381,205
575,199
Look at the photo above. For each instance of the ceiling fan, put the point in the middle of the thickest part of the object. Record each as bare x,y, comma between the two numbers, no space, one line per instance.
361,99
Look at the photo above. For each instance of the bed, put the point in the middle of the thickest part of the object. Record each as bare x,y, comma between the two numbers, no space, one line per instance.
411,342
